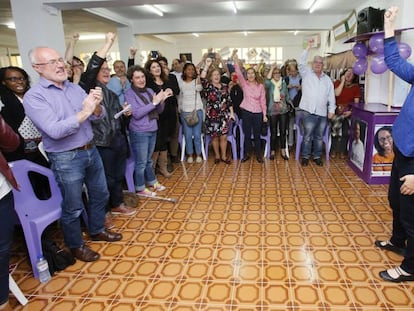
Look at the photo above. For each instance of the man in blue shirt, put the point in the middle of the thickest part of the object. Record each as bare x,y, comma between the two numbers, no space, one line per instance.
401,188
62,112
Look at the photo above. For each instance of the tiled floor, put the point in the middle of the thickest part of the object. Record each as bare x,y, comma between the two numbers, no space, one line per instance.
243,236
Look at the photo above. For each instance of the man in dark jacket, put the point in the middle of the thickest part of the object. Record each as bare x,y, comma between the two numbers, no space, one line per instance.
109,132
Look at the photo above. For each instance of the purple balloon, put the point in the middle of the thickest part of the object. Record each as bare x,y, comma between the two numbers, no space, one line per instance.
360,66
378,65
376,43
405,50
360,50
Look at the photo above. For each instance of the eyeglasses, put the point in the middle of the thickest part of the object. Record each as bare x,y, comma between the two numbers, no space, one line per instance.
16,79
52,62
384,139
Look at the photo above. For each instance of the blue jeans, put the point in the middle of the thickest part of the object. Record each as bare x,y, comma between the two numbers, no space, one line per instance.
7,221
72,169
143,145
313,129
192,131
114,161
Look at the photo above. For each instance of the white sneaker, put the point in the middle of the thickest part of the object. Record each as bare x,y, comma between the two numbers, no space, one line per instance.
158,187
146,193
190,159
199,159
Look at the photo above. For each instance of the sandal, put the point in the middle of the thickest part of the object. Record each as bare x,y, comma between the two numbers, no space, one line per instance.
396,275
227,161
390,247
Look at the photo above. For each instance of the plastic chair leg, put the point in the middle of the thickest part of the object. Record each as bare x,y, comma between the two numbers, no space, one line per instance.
15,289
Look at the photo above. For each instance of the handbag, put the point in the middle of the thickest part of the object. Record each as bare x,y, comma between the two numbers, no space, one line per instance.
192,118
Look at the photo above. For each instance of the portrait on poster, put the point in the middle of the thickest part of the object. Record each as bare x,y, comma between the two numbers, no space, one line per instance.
383,153
358,143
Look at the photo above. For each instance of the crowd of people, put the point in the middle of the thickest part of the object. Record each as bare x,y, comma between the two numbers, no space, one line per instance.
90,122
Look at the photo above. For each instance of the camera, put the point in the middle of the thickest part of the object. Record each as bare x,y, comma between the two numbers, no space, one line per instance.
212,55
154,54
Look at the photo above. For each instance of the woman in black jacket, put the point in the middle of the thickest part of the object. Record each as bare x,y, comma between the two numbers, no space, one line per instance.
157,81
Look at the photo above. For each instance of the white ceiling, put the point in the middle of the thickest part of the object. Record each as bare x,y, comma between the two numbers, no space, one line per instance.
187,16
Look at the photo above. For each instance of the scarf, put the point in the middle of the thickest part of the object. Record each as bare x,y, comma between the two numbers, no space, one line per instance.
276,90
153,115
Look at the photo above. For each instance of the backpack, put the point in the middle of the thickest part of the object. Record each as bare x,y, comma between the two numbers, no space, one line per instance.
298,96
57,258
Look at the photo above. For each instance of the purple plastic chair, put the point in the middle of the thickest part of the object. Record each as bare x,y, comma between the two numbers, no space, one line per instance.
266,138
231,138
34,214
299,138
181,142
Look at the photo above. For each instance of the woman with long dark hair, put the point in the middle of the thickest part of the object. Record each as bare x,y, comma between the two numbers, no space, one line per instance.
158,81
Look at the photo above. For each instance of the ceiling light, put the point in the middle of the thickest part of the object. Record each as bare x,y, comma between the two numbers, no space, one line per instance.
195,34
95,36
154,9
312,7
234,7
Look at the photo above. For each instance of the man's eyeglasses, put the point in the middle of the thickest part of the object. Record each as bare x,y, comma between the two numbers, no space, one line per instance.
16,79
52,62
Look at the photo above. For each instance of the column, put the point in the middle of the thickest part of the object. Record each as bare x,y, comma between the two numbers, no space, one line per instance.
126,39
37,25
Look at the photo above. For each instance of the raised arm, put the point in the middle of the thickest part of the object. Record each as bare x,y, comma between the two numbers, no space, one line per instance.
71,47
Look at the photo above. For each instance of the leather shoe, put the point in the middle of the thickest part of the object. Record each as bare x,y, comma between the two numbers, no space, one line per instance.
259,159
305,162
318,162
107,236
246,158
84,253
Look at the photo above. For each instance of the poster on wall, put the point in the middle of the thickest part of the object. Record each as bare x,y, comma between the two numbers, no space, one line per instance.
383,153
358,143
186,57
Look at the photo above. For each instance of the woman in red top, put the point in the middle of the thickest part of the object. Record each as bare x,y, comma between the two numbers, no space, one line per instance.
347,91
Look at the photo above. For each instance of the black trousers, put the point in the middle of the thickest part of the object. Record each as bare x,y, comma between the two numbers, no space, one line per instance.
402,209
252,124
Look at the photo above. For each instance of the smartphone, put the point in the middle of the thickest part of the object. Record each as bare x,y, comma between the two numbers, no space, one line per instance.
154,54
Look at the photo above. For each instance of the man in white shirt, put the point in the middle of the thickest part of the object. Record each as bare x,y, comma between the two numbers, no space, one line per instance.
317,105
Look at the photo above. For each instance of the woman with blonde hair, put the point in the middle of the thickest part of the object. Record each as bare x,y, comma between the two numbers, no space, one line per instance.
219,110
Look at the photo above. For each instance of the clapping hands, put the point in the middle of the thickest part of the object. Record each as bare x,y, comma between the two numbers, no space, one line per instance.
161,96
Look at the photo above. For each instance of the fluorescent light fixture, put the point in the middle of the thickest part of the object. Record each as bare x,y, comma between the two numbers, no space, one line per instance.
96,36
234,7
154,9
312,7
195,34
11,25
